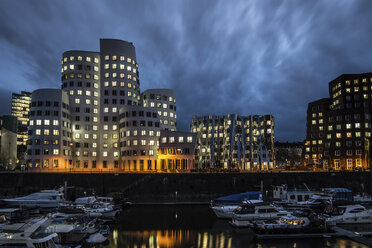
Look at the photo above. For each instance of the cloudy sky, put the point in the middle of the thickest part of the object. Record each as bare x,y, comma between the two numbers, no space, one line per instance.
220,57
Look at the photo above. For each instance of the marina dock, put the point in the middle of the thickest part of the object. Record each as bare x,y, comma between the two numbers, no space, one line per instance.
338,233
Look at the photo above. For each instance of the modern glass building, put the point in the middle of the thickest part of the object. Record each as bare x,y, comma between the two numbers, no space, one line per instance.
234,142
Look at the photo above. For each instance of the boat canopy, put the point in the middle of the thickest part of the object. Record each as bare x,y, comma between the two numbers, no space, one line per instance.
340,193
238,198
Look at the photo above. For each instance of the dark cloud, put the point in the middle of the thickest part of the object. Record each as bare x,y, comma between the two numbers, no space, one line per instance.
245,57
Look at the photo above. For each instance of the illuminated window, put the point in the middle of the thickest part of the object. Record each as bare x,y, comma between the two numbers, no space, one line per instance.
114,66
55,132
55,151
357,134
86,136
46,131
38,132
72,67
134,142
46,122
357,125
143,142
77,100
71,58
114,110
105,154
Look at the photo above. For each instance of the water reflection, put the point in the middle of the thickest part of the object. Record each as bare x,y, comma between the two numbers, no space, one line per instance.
193,226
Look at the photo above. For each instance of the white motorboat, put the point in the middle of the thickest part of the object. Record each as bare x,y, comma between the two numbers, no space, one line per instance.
226,211
98,211
27,235
350,214
245,213
223,207
42,199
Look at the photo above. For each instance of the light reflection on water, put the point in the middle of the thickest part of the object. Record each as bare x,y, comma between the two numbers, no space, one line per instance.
194,226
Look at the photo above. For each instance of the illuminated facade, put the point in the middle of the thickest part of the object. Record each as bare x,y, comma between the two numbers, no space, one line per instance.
21,109
49,132
81,82
100,122
139,139
164,102
233,141
339,128
177,151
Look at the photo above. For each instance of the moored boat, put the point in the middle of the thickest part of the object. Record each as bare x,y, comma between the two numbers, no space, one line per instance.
350,214
223,207
42,199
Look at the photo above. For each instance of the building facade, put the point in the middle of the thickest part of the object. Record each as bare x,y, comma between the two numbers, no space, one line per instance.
21,109
339,128
139,139
81,82
50,136
234,142
8,142
100,122
164,102
177,151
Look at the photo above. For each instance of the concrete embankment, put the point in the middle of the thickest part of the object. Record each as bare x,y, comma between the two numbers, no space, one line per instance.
198,187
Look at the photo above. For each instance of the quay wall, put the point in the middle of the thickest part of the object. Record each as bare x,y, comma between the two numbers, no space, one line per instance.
146,187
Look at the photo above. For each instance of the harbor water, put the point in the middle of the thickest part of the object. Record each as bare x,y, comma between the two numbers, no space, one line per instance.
165,226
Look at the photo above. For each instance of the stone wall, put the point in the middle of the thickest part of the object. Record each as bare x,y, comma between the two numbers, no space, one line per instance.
180,187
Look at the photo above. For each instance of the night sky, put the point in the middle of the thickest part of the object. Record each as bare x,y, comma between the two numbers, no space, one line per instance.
219,57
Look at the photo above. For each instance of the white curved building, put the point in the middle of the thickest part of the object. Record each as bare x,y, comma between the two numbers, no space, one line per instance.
120,86
81,81
164,102
49,133
108,126
139,138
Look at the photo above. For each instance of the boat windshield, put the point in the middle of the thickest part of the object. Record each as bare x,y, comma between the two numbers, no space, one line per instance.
244,209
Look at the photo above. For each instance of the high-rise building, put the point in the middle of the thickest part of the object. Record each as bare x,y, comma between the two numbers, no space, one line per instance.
339,128
233,141
21,109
